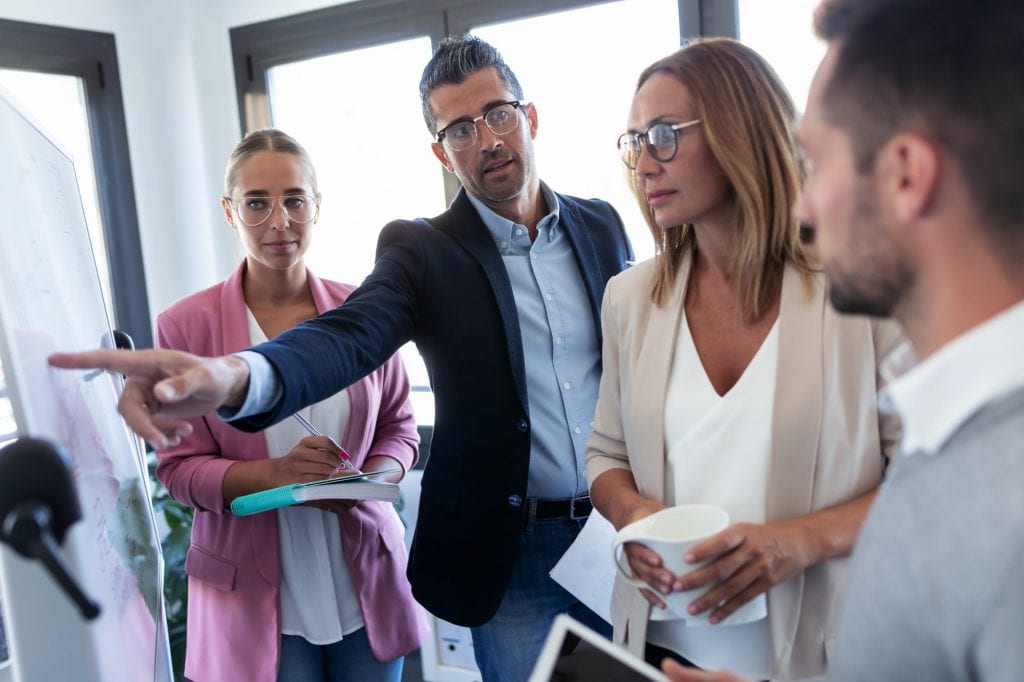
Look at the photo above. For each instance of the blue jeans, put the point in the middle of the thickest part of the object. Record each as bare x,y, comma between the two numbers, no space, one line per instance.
349,660
507,646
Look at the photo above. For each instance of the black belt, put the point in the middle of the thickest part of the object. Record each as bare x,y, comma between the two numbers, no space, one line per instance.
572,508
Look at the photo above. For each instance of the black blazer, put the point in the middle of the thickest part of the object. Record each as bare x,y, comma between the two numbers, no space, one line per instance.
442,284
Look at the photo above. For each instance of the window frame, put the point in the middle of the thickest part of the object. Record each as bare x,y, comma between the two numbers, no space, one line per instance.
92,57
260,46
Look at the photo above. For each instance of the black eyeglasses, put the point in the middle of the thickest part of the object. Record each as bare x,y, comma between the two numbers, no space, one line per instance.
501,119
662,140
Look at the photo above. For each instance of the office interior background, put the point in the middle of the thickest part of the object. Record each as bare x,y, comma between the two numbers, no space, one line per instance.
150,97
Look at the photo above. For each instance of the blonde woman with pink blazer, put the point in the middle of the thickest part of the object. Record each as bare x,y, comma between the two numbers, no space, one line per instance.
302,593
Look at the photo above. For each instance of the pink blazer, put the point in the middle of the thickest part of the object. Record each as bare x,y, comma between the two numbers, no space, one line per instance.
233,564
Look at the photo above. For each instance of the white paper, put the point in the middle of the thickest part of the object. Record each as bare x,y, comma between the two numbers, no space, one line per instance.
587,569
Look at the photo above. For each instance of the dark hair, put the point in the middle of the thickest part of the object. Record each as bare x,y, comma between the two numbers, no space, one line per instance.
267,140
456,59
947,69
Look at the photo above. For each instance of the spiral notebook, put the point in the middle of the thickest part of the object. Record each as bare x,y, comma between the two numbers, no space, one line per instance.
355,487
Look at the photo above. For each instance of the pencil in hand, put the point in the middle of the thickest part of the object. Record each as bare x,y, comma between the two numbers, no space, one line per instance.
346,460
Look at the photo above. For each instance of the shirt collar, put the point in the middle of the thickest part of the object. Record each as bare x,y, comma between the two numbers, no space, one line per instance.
935,398
503,230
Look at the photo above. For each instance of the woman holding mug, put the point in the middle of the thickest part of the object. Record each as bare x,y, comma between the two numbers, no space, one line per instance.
728,379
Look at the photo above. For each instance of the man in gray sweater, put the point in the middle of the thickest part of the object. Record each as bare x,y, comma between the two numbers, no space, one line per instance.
915,136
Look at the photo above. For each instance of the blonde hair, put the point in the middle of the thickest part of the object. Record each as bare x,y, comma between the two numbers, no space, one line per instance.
749,122
268,140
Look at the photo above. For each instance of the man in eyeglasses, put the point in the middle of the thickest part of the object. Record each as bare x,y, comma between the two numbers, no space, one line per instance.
502,294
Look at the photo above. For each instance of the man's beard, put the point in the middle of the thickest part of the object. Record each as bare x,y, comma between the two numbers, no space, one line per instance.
510,187
877,297
872,277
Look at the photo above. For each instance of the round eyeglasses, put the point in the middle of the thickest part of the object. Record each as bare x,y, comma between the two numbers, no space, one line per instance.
661,139
501,119
299,208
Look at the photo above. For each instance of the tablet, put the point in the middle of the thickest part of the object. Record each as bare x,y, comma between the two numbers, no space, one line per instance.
595,654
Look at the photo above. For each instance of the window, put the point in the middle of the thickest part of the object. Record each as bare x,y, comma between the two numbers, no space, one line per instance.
58,102
339,81
69,80
366,152
312,75
582,107
366,159
782,32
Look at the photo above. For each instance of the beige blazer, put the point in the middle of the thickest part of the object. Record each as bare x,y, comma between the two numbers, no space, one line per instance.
829,443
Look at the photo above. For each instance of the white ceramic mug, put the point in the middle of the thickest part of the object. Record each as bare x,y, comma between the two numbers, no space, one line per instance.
671,532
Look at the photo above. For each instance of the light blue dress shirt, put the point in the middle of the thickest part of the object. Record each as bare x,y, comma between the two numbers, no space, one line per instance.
560,346
560,349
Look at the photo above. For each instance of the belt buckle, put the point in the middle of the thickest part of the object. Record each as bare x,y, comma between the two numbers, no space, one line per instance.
572,507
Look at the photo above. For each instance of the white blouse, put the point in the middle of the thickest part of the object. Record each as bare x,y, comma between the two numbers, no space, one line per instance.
318,600
718,452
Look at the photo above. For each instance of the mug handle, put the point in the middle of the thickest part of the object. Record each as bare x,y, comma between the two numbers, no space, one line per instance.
618,556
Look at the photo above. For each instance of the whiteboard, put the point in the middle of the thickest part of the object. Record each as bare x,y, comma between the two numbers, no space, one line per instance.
50,300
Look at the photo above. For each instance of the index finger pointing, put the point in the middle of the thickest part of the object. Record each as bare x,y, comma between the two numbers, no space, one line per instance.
104,358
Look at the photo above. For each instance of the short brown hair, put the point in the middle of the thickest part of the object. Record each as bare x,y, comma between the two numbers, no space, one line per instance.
749,121
947,69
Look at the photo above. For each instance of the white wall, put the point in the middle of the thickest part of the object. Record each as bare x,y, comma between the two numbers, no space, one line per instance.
179,97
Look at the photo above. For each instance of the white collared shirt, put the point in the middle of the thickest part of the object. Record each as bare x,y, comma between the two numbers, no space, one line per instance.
935,398
319,601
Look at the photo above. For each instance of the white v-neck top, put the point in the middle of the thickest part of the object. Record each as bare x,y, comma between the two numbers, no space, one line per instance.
718,450
318,600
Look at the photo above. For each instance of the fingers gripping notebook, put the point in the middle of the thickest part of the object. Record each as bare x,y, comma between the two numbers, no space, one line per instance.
355,487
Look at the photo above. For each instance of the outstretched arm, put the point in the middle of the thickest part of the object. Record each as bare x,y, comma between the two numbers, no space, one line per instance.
163,386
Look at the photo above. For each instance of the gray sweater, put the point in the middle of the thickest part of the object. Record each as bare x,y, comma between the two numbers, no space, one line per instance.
937,580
